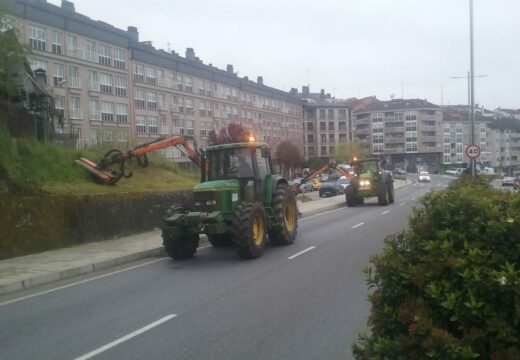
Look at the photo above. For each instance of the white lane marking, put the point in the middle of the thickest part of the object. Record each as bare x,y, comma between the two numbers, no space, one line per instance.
320,214
385,212
358,225
401,204
126,337
301,252
415,184
80,282
414,198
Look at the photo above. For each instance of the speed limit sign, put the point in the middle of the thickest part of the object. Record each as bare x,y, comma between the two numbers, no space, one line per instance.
473,151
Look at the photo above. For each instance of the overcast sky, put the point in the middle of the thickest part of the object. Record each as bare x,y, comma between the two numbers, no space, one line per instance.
350,48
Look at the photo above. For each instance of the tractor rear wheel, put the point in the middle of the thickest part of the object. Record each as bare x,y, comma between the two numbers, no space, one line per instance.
180,247
286,210
220,240
249,230
350,197
382,197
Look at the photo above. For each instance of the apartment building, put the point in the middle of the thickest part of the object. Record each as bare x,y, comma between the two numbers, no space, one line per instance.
407,131
505,143
110,87
326,123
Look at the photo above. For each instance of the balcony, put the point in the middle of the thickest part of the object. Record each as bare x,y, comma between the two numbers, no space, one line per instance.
394,130
428,139
394,139
363,131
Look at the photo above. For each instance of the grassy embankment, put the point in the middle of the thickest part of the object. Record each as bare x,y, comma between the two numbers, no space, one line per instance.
31,167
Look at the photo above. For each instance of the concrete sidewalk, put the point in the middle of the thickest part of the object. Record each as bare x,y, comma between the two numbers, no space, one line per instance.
32,270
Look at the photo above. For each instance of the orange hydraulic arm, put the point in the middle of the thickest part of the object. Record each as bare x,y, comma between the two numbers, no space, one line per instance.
105,172
321,170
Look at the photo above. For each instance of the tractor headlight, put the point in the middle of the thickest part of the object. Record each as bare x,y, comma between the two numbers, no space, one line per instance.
364,183
197,203
211,202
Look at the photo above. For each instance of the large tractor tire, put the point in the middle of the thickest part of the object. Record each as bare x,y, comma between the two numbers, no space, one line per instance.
286,210
391,193
382,195
220,240
249,230
180,247
360,200
350,197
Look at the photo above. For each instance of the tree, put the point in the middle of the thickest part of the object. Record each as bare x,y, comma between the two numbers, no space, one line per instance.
346,151
13,59
234,133
289,156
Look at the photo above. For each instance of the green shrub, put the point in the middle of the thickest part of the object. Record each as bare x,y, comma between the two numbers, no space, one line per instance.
449,287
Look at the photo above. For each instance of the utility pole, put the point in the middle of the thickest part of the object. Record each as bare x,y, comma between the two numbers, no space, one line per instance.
472,91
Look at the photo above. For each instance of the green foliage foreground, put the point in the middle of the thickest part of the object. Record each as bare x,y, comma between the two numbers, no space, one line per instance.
449,287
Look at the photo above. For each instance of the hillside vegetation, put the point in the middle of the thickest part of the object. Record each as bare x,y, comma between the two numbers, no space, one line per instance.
31,167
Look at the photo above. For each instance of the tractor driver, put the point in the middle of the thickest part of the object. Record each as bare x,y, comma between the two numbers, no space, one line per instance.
244,164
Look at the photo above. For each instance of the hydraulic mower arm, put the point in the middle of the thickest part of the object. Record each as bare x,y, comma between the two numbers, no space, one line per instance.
112,167
321,170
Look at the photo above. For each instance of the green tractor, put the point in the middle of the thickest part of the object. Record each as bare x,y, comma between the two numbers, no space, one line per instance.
239,201
369,180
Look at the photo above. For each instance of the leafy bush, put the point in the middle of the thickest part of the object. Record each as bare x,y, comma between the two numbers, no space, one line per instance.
448,288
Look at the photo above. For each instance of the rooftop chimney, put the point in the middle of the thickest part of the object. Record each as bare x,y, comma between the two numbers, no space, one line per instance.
190,54
322,93
305,90
133,33
229,68
67,6
260,80
293,91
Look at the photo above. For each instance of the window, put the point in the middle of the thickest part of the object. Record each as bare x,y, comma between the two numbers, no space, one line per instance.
203,128
74,80
120,85
188,84
58,75
342,137
122,113
342,114
105,83
310,139
178,80
332,139
342,125
202,108
39,64
107,111
411,147
140,124
93,83
150,75
189,127
323,138
310,126
411,136
72,46
178,125
37,37
411,126
152,100
263,165
119,58
139,73
411,115
330,114
323,125
189,106
332,150
95,114
91,51
59,105
75,109
322,114
378,139
162,102
323,151
57,42
104,54
331,125
153,123
378,148
139,98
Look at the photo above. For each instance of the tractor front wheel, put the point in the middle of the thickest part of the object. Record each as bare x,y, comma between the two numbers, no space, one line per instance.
382,196
391,193
180,247
286,210
249,230
350,197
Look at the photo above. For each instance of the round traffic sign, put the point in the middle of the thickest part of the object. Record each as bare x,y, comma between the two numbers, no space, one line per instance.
473,151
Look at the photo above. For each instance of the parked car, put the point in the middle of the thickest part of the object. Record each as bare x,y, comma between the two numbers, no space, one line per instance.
316,184
508,181
329,188
424,176
343,183
399,174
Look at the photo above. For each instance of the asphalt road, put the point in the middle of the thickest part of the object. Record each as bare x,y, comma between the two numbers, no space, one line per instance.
304,301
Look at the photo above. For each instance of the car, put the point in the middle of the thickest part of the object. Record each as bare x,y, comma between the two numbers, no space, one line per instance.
329,188
424,176
343,183
508,181
399,174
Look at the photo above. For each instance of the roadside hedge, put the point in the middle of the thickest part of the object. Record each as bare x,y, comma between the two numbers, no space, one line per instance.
448,288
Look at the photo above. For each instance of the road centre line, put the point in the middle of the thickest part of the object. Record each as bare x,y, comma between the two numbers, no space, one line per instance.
402,204
358,225
414,198
126,337
385,212
301,252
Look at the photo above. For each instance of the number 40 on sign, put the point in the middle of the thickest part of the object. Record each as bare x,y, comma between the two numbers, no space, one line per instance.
473,151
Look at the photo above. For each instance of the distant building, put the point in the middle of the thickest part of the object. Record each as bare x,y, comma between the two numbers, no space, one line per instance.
408,132
325,123
112,87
